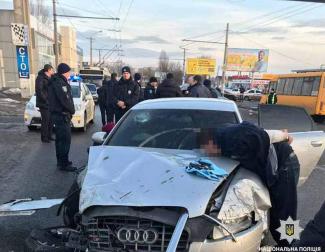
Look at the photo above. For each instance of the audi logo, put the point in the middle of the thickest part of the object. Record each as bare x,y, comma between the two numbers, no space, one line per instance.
137,235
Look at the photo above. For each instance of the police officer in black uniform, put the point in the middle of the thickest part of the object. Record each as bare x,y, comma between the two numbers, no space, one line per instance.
125,94
62,108
41,88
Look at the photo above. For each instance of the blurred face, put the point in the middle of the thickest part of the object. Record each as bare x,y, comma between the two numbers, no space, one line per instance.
154,84
261,55
210,148
50,72
126,75
191,80
67,75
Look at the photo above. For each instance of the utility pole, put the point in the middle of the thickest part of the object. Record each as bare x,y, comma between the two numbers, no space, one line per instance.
224,68
91,51
184,64
56,43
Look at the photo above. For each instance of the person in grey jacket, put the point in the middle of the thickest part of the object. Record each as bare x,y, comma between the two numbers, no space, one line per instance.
196,89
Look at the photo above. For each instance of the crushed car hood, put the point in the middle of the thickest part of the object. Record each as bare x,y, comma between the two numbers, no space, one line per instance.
129,176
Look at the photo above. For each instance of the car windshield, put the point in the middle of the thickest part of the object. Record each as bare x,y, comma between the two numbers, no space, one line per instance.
168,128
75,90
91,87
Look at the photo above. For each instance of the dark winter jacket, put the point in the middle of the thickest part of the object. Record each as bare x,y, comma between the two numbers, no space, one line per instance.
149,92
168,89
110,92
126,91
141,91
60,96
198,90
41,88
102,95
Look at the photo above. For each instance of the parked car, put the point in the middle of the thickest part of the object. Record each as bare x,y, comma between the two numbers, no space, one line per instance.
253,94
93,90
135,194
83,103
231,96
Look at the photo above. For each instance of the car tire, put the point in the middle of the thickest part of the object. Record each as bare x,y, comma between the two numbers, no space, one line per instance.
93,120
70,207
246,98
32,127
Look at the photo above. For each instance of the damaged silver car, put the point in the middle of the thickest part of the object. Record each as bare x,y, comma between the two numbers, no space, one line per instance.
135,194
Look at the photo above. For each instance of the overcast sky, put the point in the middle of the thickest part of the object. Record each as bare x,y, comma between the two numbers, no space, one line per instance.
293,31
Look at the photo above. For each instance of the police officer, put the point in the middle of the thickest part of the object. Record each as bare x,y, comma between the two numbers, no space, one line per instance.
125,94
110,106
41,88
62,108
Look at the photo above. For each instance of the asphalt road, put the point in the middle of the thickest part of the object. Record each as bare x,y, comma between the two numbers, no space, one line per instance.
28,169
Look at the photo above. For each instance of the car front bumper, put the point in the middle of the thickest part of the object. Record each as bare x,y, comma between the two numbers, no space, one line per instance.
77,120
247,241
32,118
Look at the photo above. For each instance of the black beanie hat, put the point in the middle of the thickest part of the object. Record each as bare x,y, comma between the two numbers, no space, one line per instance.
63,68
137,76
126,69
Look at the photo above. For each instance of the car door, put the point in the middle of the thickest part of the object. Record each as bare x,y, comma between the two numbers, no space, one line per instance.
308,142
89,103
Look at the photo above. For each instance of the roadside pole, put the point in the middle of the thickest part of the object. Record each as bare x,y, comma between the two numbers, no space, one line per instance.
224,68
56,44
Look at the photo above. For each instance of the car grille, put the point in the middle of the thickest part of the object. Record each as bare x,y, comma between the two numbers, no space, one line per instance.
102,233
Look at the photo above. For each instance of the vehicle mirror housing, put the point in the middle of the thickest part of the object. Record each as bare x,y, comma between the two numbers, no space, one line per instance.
98,137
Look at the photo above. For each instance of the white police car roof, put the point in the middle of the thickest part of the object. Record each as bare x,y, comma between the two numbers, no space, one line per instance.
188,103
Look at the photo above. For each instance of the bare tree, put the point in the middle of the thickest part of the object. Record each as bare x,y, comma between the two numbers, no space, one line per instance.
163,62
177,70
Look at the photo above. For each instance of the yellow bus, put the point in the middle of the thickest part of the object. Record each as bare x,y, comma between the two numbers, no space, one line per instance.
306,89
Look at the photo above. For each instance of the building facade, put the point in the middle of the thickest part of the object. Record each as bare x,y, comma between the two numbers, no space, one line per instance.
38,20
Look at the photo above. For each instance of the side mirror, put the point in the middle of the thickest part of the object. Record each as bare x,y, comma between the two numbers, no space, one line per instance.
98,137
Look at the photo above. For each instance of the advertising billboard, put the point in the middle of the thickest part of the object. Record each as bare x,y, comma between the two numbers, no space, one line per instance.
247,60
201,66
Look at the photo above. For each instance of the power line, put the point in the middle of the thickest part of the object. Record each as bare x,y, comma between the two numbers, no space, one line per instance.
84,10
276,51
88,17
274,20
255,18
105,7
127,14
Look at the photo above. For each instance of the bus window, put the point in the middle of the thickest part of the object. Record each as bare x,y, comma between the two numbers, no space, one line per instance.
280,87
288,87
316,83
307,86
297,86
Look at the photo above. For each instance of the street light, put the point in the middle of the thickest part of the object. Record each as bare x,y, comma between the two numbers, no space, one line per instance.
91,46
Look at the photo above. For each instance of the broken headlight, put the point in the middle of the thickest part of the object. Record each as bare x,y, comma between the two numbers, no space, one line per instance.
245,202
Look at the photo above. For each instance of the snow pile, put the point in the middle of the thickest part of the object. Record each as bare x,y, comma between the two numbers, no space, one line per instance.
13,91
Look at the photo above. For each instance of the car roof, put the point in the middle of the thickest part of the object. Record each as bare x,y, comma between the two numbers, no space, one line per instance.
74,83
188,103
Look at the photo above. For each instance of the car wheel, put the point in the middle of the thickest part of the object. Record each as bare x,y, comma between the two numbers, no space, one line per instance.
32,127
70,207
246,98
93,120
